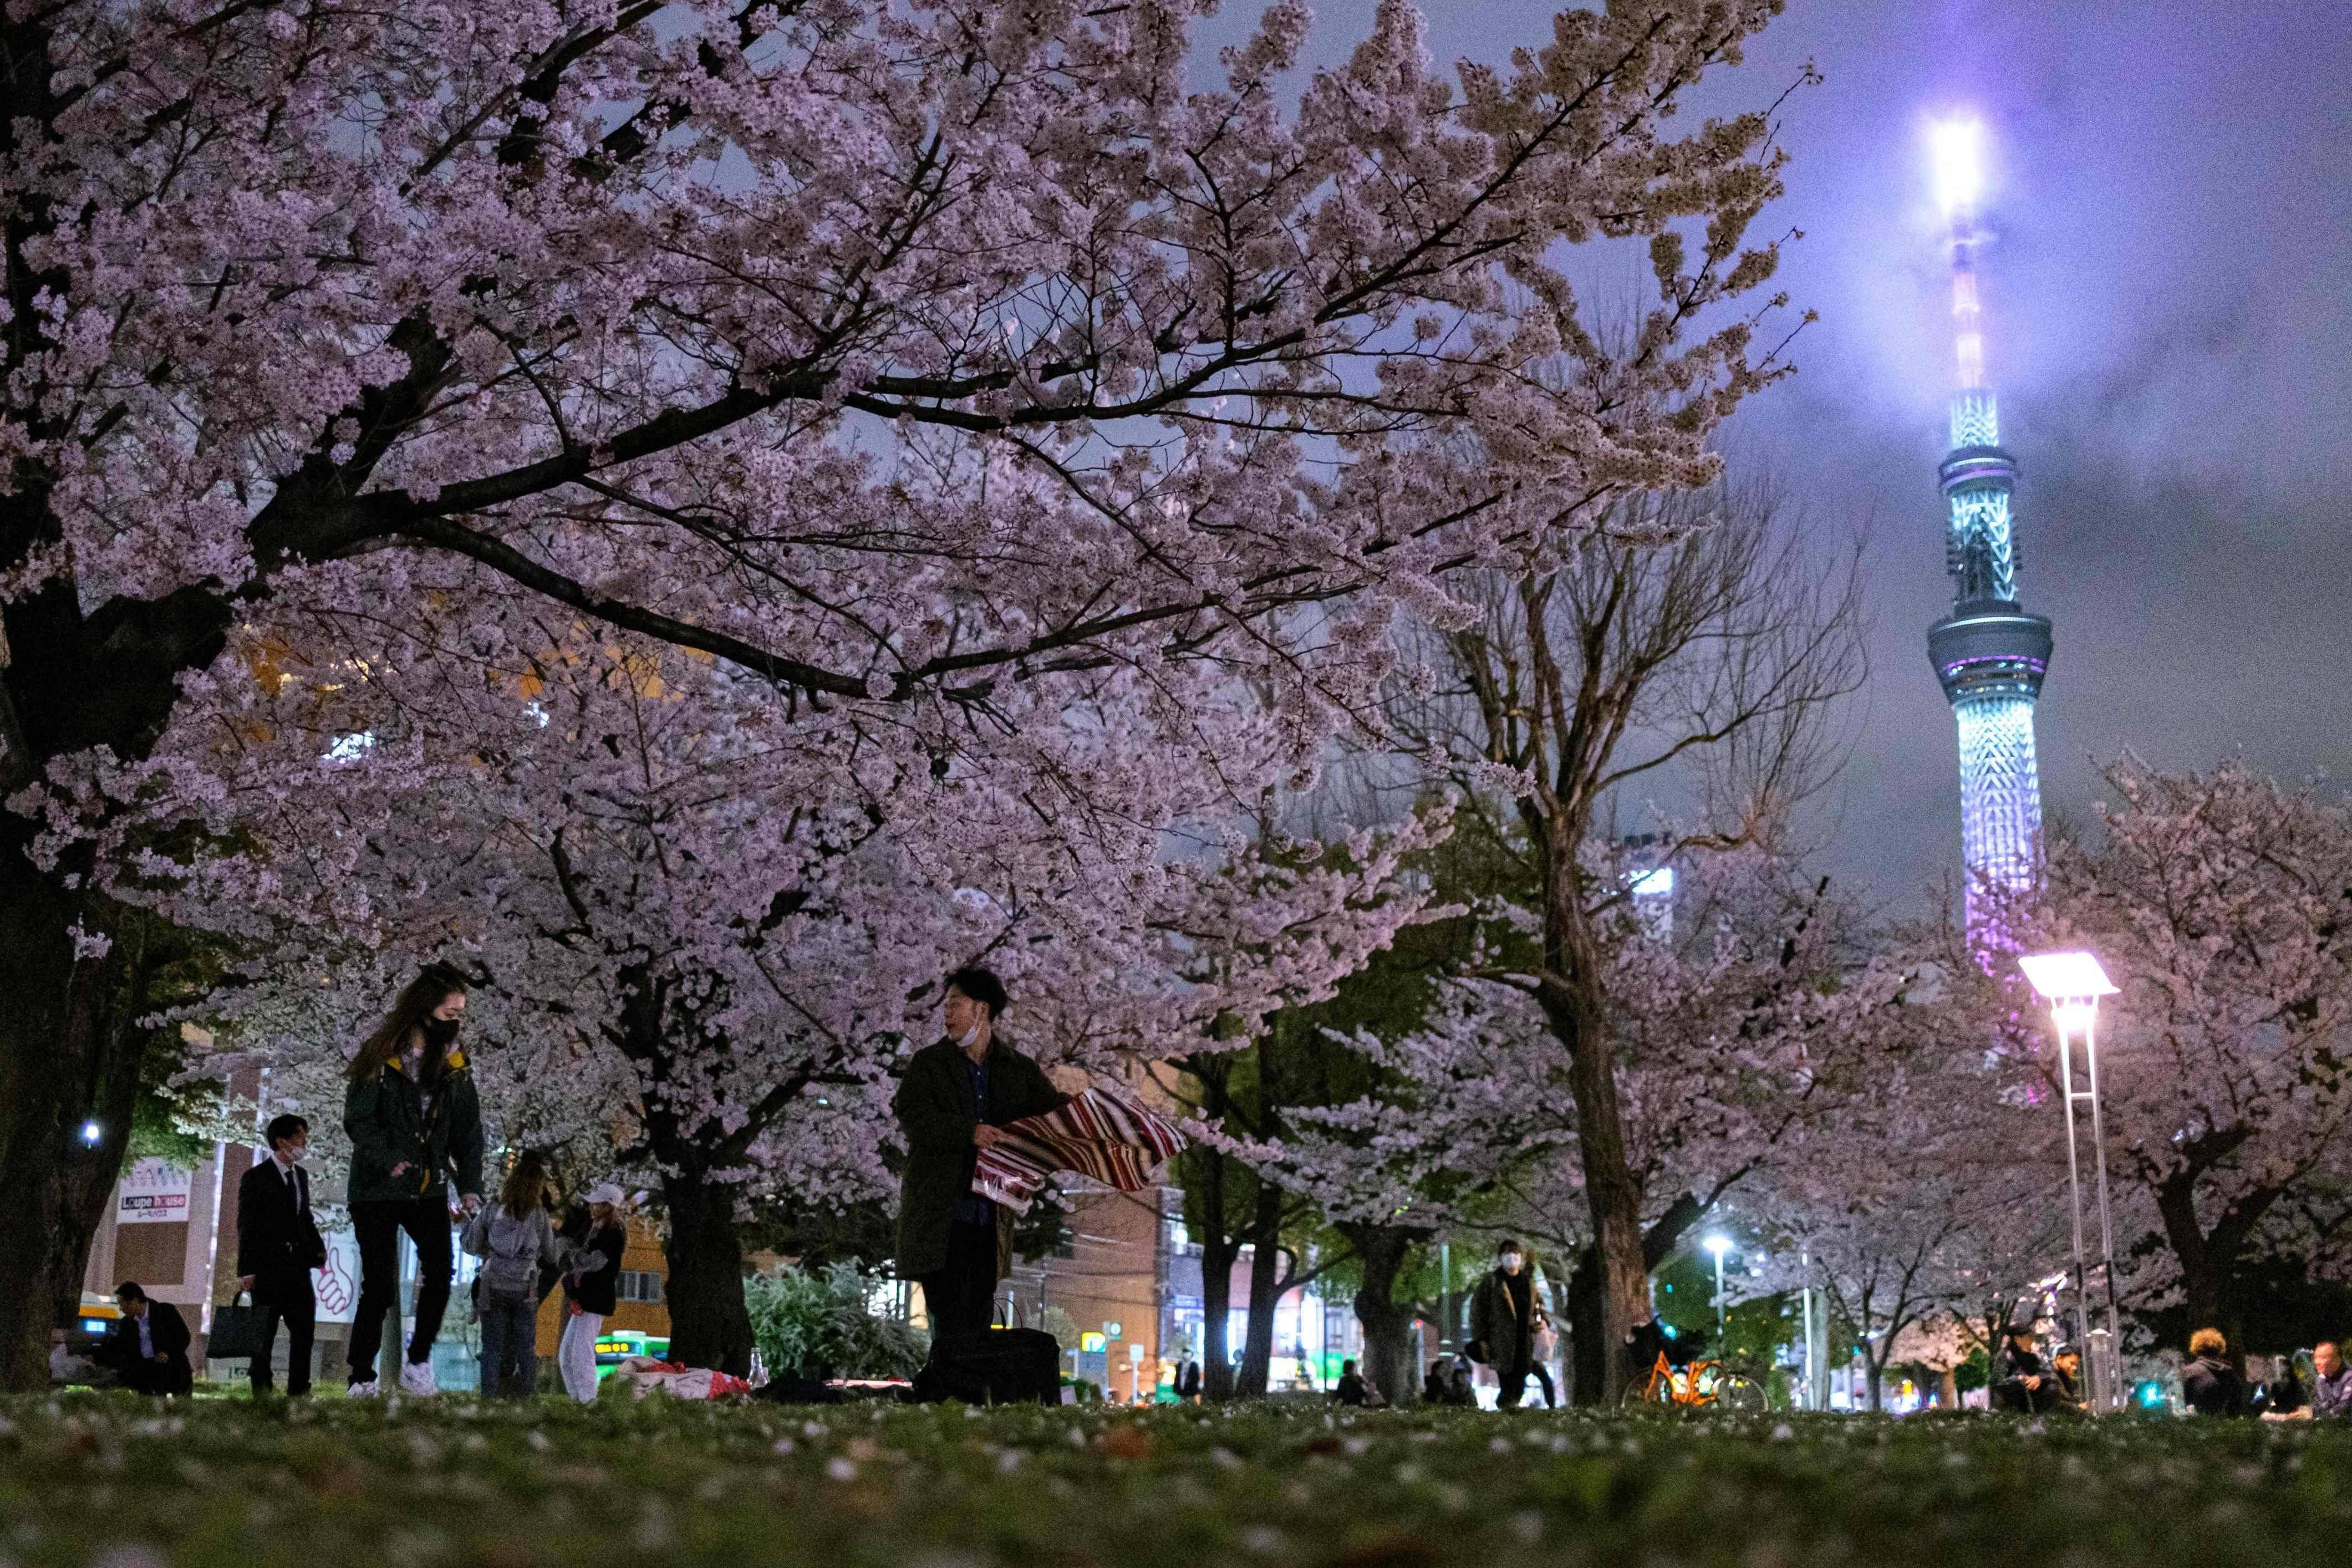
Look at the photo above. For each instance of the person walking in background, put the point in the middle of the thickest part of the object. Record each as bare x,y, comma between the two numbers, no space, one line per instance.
278,1245
956,1094
148,1346
413,1117
594,1274
1502,1322
1546,1353
2209,1383
515,1238
1188,1381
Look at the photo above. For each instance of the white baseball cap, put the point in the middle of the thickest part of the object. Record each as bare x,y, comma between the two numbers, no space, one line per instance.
605,1193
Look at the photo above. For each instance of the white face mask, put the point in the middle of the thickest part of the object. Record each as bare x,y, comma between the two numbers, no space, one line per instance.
969,1038
1511,1260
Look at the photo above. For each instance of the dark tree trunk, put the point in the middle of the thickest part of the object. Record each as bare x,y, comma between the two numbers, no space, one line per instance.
1588,1360
1390,1364
1219,1251
707,1324
1584,1338
1576,1010
69,1056
2209,1258
1265,1290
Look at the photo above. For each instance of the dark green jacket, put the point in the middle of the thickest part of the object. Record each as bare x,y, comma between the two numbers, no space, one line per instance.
935,1111
1494,1318
388,1124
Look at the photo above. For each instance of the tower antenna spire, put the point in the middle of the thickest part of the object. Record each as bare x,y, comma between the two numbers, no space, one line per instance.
1989,653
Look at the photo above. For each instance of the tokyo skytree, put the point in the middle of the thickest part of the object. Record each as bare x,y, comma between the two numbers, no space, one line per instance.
1990,654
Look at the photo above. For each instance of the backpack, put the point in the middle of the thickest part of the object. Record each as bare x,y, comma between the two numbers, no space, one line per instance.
509,1250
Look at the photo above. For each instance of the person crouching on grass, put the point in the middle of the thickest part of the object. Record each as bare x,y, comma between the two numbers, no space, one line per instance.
594,1276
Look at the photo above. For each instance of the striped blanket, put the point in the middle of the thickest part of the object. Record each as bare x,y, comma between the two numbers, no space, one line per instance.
1101,1134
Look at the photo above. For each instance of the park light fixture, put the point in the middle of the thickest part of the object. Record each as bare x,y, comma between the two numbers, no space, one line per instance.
2072,983
1719,1243
91,1132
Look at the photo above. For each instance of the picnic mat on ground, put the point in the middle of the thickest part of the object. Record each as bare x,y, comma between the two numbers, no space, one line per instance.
1100,1134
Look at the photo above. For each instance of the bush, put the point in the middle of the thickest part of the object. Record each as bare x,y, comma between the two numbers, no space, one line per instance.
809,1321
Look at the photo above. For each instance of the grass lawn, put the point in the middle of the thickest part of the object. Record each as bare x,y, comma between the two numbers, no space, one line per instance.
114,1479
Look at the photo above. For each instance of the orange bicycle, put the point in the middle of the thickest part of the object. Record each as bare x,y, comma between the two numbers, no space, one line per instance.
1702,1384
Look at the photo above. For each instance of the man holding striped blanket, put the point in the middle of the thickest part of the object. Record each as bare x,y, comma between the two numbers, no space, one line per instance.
984,1131
1100,1134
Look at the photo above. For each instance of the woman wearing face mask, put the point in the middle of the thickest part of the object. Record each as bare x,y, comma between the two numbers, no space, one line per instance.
1502,1322
412,1114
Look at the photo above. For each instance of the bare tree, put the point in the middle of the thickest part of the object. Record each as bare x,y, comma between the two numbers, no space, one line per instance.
1697,643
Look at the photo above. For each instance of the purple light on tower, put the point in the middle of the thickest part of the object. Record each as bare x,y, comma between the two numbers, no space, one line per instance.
1989,653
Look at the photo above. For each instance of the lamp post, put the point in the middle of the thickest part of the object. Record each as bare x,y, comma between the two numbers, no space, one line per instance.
2072,983
1719,1245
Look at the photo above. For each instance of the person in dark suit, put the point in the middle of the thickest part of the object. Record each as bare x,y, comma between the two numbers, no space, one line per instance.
148,1346
956,1095
278,1245
1188,1381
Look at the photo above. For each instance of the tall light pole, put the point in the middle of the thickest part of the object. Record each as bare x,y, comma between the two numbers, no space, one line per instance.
1719,1245
2072,983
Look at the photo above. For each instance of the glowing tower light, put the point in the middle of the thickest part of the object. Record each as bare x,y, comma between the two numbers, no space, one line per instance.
1989,653
1958,148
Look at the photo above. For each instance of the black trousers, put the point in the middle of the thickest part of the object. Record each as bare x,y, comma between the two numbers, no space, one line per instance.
285,1294
962,1295
1514,1379
147,1375
1543,1377
377,1228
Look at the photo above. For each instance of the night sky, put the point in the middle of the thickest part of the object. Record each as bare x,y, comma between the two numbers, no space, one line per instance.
2166,304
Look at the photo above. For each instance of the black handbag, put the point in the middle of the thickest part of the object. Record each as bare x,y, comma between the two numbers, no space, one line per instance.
236,1331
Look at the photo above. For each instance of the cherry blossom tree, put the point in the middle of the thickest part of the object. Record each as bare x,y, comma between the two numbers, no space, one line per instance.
712,937
1711,660
1740,1038
2221,903
639,315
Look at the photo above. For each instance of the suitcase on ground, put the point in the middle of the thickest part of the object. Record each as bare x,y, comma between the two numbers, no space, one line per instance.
994,1366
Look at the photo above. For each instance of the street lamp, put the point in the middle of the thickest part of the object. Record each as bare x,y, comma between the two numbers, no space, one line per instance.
2072,983
1719,1245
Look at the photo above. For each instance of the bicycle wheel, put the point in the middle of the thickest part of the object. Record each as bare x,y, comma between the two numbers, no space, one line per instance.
1743,1395
1646,1393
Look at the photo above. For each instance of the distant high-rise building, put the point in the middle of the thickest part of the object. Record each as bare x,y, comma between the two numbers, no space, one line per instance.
1990,654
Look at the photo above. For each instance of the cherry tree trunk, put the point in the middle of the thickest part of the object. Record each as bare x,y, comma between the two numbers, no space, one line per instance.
707,1324
1218,1254
1388,1359
70,1055
1265,1290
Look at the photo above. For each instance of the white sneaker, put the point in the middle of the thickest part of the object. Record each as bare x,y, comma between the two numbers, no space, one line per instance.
416,1378
368,1390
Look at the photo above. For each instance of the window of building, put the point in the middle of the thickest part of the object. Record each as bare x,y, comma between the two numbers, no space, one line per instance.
640,1285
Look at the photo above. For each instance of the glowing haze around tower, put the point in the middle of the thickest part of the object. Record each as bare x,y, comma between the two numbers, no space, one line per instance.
1990,655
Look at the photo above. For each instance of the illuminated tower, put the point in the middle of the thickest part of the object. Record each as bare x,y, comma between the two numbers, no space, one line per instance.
1989,653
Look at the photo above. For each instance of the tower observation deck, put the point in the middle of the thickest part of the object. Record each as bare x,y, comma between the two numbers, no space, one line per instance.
1990,654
